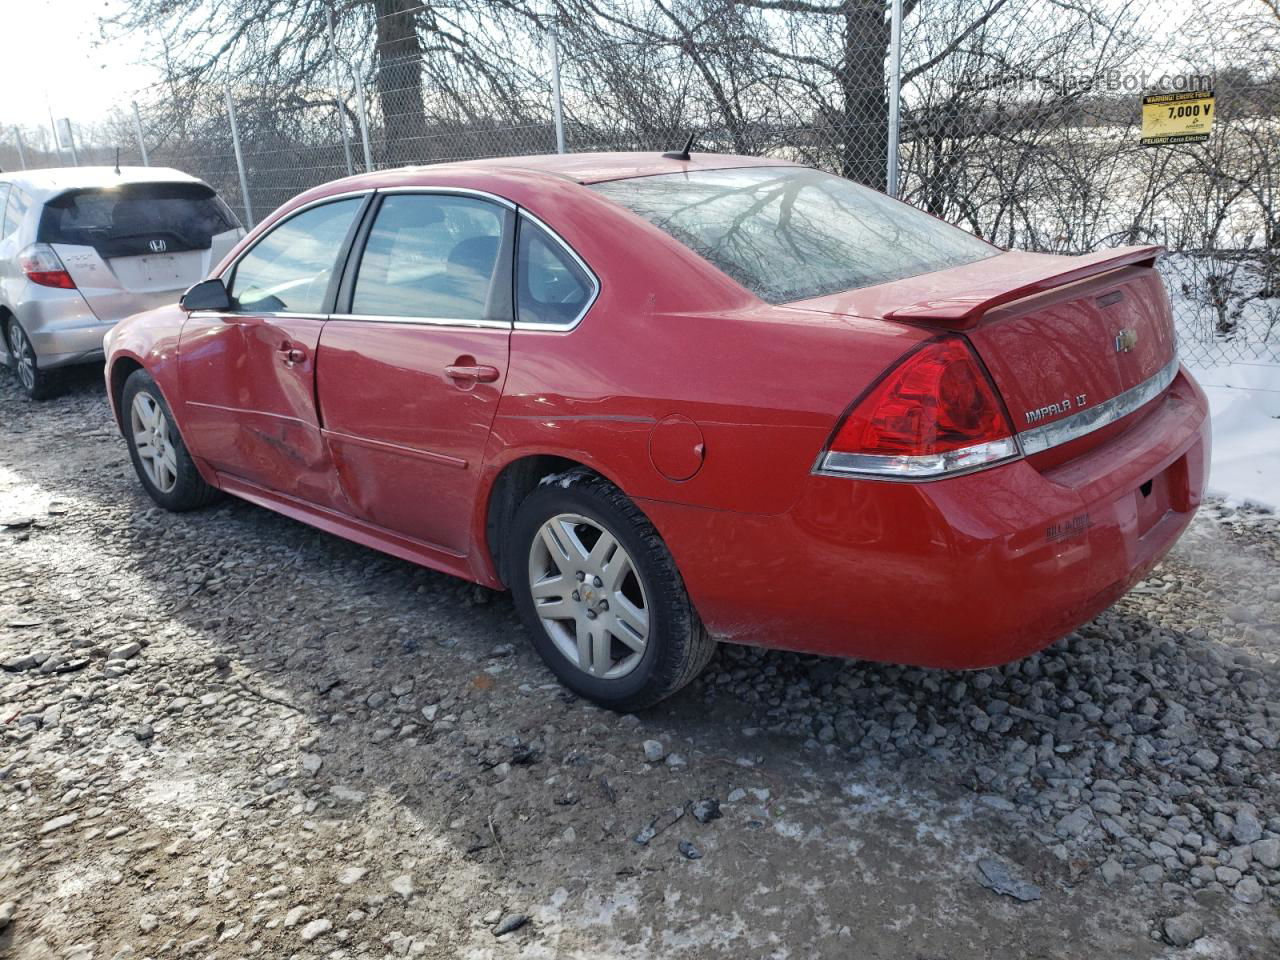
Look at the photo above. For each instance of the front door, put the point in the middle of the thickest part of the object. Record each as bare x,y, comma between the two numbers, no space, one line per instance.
248,375
410,376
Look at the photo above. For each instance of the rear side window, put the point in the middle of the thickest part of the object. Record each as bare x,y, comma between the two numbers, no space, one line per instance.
288,270
431,256
790,233
552,289
137,219
15,210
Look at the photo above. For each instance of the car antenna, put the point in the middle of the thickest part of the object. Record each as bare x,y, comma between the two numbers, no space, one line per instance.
682,154
117,161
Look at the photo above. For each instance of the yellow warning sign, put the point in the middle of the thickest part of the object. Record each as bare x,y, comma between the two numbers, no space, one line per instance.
1185,117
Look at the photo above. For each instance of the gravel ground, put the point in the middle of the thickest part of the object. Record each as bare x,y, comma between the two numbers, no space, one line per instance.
225,734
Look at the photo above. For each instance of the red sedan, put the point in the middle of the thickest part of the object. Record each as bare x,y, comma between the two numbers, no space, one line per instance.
672,401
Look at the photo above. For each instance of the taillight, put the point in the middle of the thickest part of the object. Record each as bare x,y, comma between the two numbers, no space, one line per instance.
41,265
934,414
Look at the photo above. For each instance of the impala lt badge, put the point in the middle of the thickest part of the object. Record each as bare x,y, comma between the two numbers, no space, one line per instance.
1053,409
158,246
1126,340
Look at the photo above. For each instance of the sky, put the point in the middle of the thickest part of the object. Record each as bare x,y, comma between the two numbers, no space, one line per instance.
49,59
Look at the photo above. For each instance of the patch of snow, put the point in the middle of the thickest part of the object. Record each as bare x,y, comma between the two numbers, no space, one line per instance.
1244,403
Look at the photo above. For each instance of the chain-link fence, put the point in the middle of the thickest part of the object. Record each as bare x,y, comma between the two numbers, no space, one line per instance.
1019,120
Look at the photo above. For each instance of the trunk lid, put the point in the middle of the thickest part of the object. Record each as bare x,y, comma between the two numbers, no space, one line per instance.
1059,335
138,246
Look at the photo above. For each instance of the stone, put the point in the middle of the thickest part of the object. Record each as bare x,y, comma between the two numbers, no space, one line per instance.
315,928
148,922
995,875
57,823
349,875
1111,871
1266,852
7,911
126,652
509,924
1246,828
654,751
1248,890
402,886
1184,929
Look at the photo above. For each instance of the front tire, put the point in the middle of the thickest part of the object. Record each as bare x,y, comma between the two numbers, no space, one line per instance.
160,457
36,383
600,594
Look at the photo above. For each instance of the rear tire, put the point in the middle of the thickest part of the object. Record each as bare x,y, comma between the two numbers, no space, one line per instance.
160,457
600,594
36,383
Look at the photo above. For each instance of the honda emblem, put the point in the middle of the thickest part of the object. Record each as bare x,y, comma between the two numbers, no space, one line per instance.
159,246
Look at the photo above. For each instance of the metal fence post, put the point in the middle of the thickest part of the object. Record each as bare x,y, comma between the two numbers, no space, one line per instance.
364,122
557,105
235,143
71,142
895,97
137,128
22,154
337,89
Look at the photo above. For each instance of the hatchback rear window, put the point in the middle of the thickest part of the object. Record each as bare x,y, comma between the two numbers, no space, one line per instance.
790,233
137,219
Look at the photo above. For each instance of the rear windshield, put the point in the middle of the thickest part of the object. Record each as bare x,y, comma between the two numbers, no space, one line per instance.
789,233
137,219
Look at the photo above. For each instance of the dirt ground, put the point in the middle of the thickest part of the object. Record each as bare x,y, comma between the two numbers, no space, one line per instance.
225,734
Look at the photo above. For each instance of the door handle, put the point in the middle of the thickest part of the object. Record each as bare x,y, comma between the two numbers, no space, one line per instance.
291,353
476,373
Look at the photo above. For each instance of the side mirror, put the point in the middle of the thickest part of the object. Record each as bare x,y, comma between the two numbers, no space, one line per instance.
206,295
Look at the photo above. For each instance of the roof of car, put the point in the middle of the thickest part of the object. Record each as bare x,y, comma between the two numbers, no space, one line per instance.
598,167
57,180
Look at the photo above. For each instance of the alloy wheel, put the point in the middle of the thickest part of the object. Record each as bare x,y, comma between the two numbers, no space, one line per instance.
589,596
154,442
24,355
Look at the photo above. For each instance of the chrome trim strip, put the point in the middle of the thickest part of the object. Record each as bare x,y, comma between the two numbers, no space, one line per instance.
424,321
383,446
595,282
1039,439
249,315
871,466
458,191
285,219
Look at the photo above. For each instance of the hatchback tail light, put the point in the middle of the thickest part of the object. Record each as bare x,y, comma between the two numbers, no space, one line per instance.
41,265
935,414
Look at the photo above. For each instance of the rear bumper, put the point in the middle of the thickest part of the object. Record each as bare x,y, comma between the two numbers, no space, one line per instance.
967,572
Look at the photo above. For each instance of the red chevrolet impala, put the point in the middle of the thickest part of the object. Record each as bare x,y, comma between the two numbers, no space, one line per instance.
672,401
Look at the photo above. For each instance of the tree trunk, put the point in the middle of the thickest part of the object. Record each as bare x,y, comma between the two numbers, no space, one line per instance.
399,79
864,139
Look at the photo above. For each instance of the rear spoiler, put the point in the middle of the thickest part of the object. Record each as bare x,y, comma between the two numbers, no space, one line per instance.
1044,274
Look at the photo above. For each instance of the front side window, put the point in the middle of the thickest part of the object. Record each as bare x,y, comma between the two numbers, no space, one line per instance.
551,288
432,256
790,233
289,269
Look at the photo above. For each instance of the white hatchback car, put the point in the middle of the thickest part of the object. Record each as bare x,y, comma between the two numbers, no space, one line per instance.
84,247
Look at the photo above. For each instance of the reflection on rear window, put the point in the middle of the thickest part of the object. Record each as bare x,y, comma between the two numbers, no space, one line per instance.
137,219
789,233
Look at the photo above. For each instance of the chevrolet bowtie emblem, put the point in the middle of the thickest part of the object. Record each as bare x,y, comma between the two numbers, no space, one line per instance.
1126,340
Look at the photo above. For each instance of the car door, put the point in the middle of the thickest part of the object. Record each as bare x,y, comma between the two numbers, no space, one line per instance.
248,373
411,370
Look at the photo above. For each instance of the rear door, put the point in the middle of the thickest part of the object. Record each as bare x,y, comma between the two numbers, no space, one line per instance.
248,374
411,369
138,245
